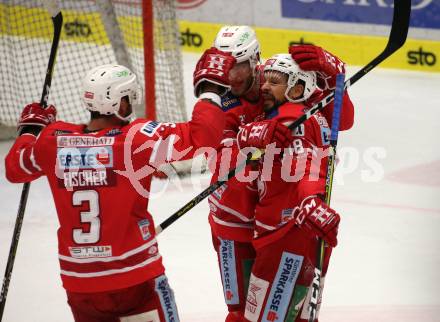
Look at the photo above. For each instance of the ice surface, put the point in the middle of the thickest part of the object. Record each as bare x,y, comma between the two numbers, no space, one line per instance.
387,190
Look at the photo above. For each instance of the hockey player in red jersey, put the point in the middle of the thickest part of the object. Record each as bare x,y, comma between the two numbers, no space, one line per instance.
98,172
232,206
290,214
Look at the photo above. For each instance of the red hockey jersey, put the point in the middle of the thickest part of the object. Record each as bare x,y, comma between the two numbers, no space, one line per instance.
106,238
346,119
232,205
285,182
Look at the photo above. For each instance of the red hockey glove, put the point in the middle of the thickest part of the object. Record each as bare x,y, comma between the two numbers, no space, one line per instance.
34,114
260,134
317,217
213,67
314,58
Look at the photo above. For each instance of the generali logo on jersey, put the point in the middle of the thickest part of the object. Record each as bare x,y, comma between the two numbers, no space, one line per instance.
189,4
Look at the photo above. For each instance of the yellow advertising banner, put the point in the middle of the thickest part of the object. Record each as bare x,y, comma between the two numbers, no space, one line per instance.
416,54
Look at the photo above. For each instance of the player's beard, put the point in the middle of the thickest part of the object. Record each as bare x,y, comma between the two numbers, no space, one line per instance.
270,102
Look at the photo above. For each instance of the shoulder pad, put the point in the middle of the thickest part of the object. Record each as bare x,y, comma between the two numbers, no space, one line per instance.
61,128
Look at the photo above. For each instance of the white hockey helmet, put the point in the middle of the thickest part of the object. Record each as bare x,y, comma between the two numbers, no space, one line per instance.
241,42
284,63
105,85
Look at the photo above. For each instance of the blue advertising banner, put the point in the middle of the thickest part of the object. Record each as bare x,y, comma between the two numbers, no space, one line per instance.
425,13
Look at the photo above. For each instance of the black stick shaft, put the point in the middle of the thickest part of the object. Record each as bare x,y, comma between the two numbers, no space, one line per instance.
398,34
57,21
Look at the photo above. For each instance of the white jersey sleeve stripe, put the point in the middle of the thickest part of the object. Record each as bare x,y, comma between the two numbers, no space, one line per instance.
267,227
34,163
224,141
22,166
154,153
231,224
170,147
229,210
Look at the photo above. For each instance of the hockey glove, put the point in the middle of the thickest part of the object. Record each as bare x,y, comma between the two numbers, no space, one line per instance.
213,67
35,116
314,58
318,218
260,134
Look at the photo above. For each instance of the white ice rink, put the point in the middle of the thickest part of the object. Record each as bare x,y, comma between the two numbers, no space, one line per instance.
387,190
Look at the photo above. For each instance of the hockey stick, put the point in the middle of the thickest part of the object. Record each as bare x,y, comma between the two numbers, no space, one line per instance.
339,93
57,20
399,31
398,34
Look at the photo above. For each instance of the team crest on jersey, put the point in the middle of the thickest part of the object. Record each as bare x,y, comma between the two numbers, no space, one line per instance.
282,287
286,215
144,227
220,190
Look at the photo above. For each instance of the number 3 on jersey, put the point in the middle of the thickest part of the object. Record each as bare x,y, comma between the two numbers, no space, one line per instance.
90,217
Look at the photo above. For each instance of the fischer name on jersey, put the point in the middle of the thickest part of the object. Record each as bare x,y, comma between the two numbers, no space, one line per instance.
99,182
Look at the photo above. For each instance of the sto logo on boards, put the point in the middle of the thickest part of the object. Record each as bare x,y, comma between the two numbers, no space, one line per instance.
77,28
421,57
189,4
190,39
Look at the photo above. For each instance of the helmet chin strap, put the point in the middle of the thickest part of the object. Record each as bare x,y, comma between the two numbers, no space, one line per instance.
129,118
293,100
298,100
